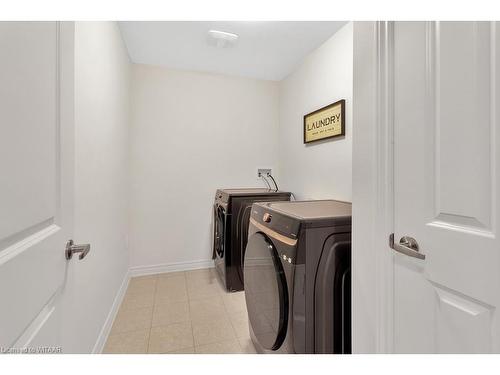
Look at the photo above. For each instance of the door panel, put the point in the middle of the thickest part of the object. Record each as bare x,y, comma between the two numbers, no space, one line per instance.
28,96
462,122
463,325
36,180
446,171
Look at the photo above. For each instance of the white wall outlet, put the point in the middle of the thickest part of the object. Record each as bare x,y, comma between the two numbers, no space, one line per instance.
263,172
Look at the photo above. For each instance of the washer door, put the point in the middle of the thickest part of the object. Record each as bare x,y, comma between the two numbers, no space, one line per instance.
220,231
266,292
242,233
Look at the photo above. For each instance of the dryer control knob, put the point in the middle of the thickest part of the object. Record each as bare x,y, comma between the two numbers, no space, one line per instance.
267,217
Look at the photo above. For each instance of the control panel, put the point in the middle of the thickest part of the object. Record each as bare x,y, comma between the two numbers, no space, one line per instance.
286,258
284,225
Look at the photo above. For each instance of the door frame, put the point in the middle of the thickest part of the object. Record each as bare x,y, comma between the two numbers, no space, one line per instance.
373,183
385,191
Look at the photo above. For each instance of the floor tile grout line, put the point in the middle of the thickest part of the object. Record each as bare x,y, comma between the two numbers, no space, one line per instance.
241,348
231,321
152,313
213,343
221,342
128,292
233,326
219,294
121,309
175,350
189,312
190,323
112,333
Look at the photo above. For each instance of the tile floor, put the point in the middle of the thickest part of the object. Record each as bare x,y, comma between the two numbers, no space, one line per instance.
180,312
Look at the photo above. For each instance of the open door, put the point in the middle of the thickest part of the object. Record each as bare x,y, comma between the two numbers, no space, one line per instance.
446,187
36,182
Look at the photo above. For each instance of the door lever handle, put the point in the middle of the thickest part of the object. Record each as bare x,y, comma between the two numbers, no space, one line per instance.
71,249
407,245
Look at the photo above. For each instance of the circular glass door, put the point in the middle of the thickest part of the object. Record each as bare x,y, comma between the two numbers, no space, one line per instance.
266,292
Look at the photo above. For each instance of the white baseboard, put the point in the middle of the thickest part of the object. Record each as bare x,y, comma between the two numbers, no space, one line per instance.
106,328
170,267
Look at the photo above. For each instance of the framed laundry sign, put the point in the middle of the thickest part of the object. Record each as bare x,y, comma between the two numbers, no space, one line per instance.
326,122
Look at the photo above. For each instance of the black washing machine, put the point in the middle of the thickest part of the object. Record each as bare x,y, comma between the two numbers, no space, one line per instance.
231,217
298,277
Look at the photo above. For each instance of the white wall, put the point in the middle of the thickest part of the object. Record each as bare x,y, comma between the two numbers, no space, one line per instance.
101,181
191,134
320,170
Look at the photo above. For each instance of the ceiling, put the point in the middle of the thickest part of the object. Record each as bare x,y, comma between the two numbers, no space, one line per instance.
264,50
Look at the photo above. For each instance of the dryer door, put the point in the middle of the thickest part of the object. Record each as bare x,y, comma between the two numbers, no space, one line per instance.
266,292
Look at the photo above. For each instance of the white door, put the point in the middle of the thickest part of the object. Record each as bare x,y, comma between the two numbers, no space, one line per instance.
36,177
446,186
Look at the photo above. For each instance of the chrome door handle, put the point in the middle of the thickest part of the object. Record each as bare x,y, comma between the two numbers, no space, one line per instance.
407,245
73,249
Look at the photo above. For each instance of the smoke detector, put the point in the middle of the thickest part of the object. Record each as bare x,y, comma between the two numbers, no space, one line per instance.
221,39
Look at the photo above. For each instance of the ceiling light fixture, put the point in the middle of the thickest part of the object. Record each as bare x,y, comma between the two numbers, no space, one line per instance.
221,39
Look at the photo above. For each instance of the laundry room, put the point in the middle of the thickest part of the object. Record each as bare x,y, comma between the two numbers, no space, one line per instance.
221,127
195,132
